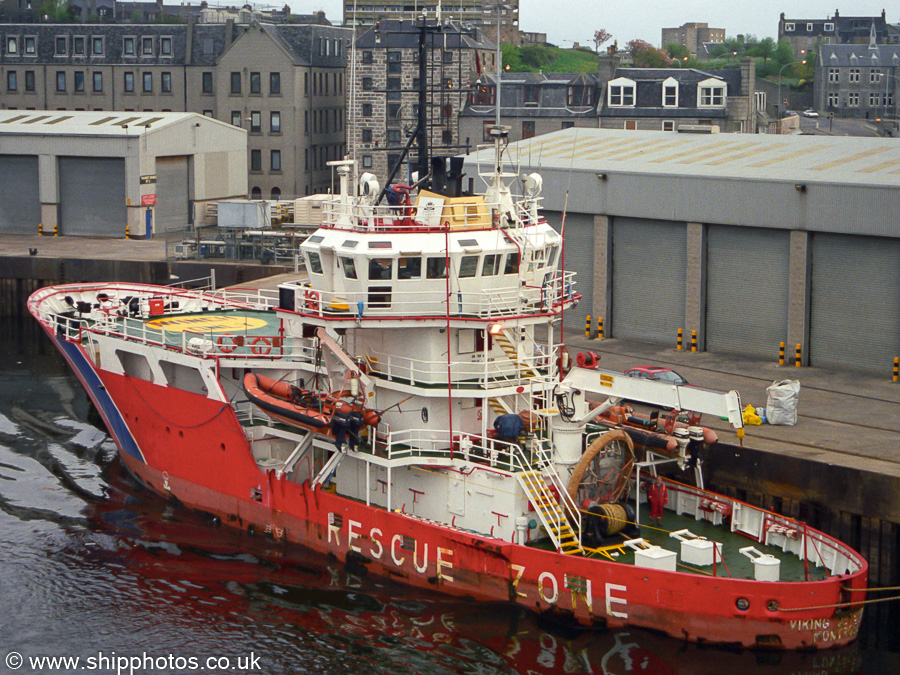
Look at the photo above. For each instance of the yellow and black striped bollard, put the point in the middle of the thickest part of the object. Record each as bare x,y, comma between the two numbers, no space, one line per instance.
599,327
587,326
781,353
896,369
693,340
797,356
680,343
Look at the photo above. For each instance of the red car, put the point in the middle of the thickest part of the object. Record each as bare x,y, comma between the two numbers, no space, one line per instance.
657,374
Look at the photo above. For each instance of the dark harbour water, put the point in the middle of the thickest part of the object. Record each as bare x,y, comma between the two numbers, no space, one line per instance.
95,567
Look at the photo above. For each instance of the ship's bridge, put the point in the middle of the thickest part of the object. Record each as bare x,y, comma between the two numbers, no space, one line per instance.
457,272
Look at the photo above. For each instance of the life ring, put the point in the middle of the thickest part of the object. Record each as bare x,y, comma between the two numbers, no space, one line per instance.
227,347
311,298
260,345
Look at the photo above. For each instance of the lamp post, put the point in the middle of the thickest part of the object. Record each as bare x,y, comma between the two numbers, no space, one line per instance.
778,106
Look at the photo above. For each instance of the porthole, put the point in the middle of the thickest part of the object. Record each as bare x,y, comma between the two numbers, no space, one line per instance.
742,604
424,414
772,605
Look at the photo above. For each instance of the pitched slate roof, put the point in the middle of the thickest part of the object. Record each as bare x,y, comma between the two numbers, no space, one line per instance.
846,56
649,92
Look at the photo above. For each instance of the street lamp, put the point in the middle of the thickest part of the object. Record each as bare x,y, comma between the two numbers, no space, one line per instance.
779,108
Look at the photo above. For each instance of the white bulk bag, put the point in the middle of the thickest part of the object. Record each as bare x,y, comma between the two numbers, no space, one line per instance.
781,403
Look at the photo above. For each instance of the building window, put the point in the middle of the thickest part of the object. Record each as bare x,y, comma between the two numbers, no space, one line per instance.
367,56
236,117
531,93
128,46
78,46
61,46
12,46
276,193
395,65
874,75
579,96
367,84
853,99
79,80
206,82
711,96
148,82
874,100
30,46
788,28
276,160
621,95
165,83
834,100
207,113
393,136
165,46
275,122
834,74
484,95
528,129
393,89
255,122
29,80
129,82
828,28
60,80
98,80
255,83
366,109
809,28
670,94
147,46
366,135
567,124
274,84
97,46
256,193
256,160
393,112
854,75
367,161
11,80
668,125
235,83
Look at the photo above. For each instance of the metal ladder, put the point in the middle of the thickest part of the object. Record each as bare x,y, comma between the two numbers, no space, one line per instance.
550,512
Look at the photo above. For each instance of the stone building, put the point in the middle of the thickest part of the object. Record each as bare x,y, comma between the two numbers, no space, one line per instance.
531,104
283,83
475,13
693,36
807,35
384,108
858,81
677,99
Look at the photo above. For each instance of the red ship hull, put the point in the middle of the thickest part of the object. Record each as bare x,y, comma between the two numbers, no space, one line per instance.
192,448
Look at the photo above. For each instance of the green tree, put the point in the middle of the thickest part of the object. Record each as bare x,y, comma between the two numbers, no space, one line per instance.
784,53
677,51
766,49
55,11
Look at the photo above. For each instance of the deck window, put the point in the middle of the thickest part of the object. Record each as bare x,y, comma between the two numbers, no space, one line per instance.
436,268
491,265
315,262
468,266
409,268
349,267
512,263
381,268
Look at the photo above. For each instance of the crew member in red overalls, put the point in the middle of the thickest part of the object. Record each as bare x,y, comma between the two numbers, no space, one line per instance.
657,495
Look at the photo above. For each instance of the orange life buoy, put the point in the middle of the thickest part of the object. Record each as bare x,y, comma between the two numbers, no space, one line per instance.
311,298
261,345
228,347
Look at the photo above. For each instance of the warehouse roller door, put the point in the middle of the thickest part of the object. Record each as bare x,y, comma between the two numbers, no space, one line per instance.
20,201
854,302
648,279
579,258
92,196
747,289
172,194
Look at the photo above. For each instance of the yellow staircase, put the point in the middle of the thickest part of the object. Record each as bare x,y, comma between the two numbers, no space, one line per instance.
550,512
497,406
512,351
